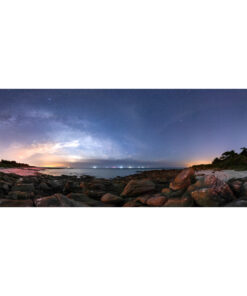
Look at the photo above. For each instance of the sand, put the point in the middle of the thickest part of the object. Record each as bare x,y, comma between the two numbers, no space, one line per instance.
224,175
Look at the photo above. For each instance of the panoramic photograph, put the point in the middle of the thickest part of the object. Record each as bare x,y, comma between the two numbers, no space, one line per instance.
123,148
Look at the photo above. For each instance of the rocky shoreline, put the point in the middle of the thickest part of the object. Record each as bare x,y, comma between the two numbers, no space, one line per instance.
158,188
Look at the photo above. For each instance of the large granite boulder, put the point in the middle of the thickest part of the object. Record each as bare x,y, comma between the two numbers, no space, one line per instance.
109,198
80,197
56,200
185,201
156,200
183,179
138,187
211,192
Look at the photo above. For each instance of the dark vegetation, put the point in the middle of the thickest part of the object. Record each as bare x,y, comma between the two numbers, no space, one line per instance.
12,164
228,160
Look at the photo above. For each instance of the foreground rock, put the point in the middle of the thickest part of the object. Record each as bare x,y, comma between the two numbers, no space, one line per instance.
56,200
16,203
183,179
109,198
211,192
159,188
138,187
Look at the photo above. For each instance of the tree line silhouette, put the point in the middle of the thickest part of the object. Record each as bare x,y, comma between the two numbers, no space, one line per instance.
12,164
229,160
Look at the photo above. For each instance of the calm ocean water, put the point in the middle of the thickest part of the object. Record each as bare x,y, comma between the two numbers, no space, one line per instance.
99,173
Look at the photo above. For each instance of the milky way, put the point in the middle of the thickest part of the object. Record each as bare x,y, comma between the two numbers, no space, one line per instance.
121,127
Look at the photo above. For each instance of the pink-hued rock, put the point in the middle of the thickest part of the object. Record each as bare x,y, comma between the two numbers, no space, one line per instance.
138,187
156,201
56,200
109,198
212,192
132,203
179,202
143,198
183,179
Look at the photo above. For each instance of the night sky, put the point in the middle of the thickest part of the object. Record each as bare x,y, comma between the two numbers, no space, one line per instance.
152,128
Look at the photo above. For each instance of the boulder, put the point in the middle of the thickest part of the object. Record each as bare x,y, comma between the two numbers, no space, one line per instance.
23,187
183,179
4,186
80,197
95,194
212,192
72,186
171,193
179,202
244,189
236,187
48,201
19,195
44,187
15,203
56,200
133,203
138,187
109,198
143,199
157,200
56,185
237,203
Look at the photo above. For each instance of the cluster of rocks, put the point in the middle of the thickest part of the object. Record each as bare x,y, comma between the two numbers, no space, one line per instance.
165,188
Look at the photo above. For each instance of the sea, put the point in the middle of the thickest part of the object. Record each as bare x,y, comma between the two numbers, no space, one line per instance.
98,173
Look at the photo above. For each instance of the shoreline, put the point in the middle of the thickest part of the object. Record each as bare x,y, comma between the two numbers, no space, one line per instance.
154,188
224,175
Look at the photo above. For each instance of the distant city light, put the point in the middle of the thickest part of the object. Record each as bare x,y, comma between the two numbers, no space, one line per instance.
94,167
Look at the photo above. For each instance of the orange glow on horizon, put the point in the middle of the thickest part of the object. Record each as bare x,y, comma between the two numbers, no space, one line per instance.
198,162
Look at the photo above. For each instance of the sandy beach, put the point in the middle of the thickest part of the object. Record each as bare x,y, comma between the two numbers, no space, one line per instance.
223,175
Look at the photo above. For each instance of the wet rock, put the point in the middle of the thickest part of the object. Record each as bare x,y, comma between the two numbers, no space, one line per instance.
23,187
157,200
138,187
109,198
183,179
19,195
15,203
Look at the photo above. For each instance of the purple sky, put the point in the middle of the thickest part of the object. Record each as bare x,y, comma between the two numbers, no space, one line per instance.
155,128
